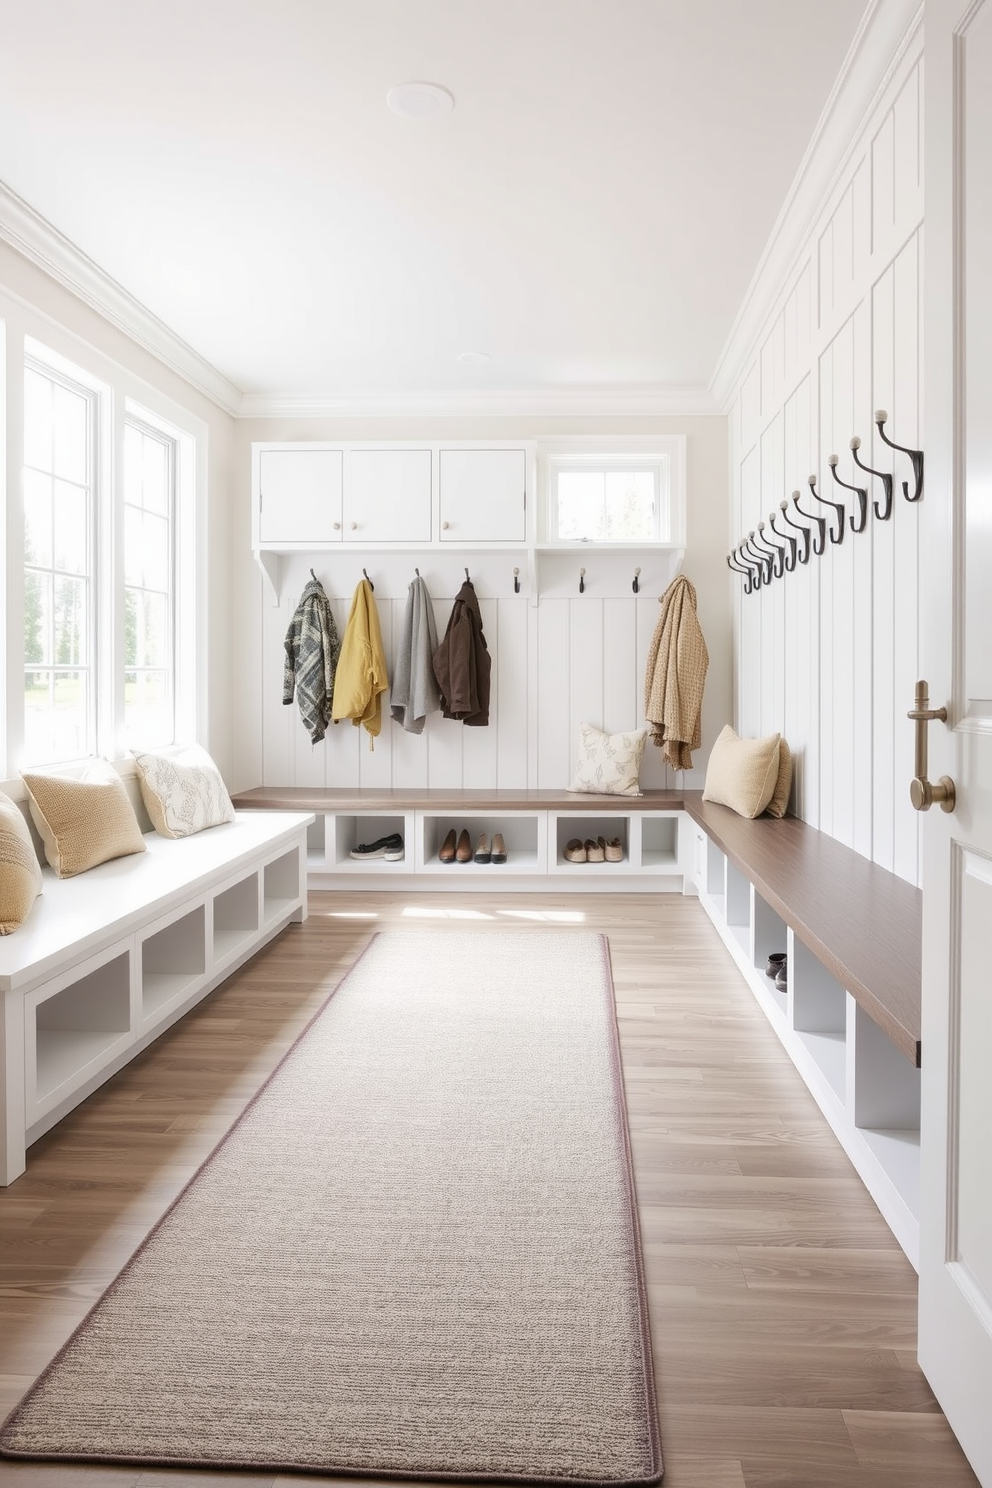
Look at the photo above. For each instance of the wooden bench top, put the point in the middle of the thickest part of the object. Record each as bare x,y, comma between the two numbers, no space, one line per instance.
342,799
861,921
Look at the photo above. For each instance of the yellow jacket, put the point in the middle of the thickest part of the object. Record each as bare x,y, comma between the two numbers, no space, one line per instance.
360,679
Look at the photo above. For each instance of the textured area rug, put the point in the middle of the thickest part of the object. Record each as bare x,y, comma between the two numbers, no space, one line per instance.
415,1254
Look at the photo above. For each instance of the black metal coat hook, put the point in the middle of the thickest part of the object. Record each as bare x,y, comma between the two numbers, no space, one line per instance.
582,581
883,514
750,552
858,523
636,584
838,536
916,456
368,580
755,566
516,581
762,545
805,533
820,541
789,560
737,567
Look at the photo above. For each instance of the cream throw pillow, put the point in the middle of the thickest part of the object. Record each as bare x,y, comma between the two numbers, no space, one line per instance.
20,875
609,764
780,795
83,821
183,791
742,773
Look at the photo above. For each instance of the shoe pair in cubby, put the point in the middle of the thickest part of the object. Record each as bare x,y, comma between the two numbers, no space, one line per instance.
457,848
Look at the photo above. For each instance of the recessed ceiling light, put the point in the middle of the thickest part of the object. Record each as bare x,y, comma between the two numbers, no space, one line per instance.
474,358
420,100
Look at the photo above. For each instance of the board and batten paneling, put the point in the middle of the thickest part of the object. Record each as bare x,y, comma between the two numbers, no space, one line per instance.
829,654
554,666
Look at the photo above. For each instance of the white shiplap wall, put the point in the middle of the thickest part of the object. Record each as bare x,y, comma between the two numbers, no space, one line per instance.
564,661
829,655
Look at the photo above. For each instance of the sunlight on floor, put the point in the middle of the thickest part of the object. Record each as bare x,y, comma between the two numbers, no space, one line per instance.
415,912
558,916
350,914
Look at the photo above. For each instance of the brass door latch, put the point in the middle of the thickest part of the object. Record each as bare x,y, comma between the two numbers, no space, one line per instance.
922,792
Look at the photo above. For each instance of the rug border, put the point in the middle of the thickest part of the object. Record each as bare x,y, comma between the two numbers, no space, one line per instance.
212,1465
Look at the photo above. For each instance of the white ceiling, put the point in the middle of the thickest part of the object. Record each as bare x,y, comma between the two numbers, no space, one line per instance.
590,214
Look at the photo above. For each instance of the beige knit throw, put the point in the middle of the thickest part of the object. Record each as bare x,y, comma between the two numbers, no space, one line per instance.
676,675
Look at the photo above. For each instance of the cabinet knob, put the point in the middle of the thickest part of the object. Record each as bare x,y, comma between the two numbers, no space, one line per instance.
445,525
337,526
354,526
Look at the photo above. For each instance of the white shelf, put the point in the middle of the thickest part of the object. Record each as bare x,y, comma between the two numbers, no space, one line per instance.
65,1057
829,1053
898,1154
161,989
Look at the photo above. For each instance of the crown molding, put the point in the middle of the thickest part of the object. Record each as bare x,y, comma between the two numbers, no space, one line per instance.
887,31
42,244
546,403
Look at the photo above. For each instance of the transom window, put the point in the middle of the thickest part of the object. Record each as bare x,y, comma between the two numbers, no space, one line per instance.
610,498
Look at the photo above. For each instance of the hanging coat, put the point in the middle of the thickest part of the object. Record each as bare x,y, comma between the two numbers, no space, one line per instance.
414,692
462,663
312,648
361,678
675,676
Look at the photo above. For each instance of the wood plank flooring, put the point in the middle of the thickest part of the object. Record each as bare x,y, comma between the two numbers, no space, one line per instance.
783,1311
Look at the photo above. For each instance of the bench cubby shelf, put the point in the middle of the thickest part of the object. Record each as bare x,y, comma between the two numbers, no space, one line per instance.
849,1018
535,826
108,960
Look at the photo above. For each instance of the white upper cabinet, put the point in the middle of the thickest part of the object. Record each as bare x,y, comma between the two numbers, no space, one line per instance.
482,495
388,496
299,496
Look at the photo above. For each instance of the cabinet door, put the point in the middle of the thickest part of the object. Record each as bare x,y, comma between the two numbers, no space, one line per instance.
388,496
483,495
299,496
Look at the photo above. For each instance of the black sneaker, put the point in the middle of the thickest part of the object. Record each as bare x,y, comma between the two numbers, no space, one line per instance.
390,848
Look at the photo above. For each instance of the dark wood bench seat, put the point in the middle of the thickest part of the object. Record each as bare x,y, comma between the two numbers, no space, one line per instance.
861,921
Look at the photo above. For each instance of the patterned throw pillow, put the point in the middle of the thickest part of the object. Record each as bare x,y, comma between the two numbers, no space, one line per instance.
742,773
83,820
183,791
609,764
20,875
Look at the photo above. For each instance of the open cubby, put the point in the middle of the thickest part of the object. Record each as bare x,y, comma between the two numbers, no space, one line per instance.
352,831
769,935
521,835
737,903
659,841
588,828
280,885
819,1014
317,842
235,912
81,1023
173,960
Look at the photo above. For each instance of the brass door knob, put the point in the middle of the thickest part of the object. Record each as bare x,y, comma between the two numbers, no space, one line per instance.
923,792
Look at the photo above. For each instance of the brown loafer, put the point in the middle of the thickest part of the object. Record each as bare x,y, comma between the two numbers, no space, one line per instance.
463,851
575,851
447,851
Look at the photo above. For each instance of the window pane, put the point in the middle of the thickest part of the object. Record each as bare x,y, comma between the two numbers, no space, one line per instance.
146,629
156,552
70,622
37,518
155,469
132,464
630,506
55,716
148,708
580,505
71,452
37,420
71,540
37,618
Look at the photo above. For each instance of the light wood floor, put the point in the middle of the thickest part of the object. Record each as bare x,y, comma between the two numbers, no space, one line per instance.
783,1312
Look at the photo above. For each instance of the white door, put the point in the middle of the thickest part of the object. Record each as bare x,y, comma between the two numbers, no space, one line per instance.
299,496
482,495
956,581
387,496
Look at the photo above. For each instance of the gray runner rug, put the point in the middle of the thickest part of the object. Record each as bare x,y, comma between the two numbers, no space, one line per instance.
414,1255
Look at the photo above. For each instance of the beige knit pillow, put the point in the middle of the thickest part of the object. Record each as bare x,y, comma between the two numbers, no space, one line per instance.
609,764
20,875
780,795
742,773
183,791
83,821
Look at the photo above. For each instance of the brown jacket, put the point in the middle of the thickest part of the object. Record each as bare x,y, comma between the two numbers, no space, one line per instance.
462,663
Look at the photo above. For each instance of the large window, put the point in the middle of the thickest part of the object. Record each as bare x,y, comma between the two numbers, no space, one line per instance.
59,457
109,589
149,616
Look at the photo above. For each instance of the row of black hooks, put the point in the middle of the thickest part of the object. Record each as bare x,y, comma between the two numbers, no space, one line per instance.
761,560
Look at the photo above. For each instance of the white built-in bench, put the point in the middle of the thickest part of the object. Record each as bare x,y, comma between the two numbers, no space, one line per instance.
109,959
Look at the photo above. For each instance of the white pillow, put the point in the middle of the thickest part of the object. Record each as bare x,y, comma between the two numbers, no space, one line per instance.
183,791
609,764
